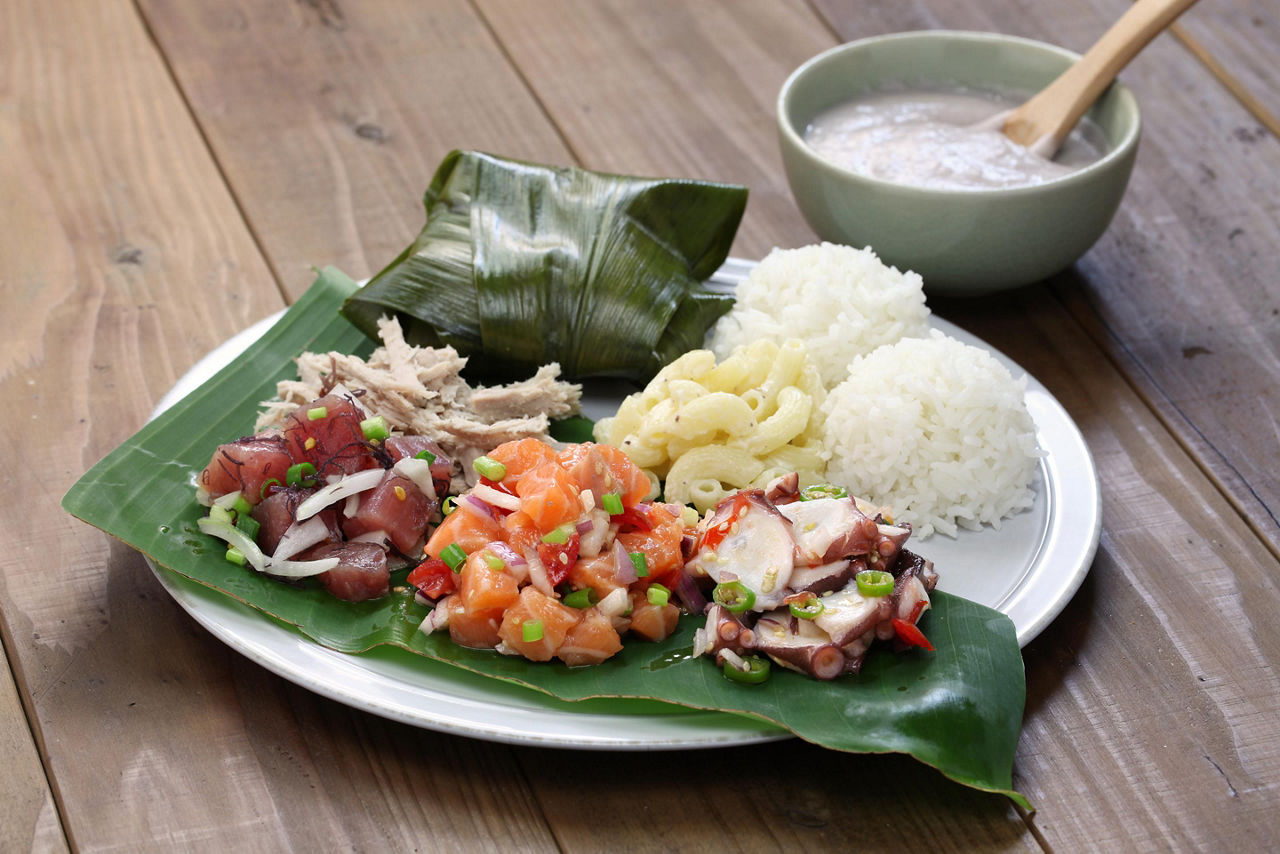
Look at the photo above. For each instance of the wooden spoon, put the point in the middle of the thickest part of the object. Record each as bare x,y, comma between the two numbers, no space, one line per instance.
1044,121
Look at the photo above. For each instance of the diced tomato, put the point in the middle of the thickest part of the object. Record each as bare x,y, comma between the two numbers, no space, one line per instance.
559,558
433,578
591,640
395,506
556,620
334,443
246,465
661,543
548,496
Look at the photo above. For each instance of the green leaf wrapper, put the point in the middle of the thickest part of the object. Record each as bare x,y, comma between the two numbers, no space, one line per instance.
958,709
519,265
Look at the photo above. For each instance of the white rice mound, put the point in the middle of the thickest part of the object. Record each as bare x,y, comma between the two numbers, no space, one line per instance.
843,302
935,429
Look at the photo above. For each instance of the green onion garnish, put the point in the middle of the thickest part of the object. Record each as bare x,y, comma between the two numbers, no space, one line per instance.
494,562
733,596
453,556
874,582
242,507
221,514
424,454
249,525
641,563
806,607
658,595
375,429
234,555
267,484
557,537
584,598
490,468
449,505
318,412
612,504
300,474
757,671
823,490
531,630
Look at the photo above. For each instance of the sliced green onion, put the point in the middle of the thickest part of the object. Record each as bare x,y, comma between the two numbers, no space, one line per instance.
806,607
267,484
375,429
221,514
242,507
734,596
494,562
453,556
450,504
641,563
757,670
234,555
300,474
584,598
249,525
490,468
612,504
531,630
557,537
318,412
658,595
823,490
874,582
424,454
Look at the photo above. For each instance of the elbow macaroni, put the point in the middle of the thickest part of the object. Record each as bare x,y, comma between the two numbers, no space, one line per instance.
708,429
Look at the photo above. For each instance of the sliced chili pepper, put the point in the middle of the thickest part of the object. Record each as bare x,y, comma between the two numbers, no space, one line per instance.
823,490
806,606
757,671
559,558
733,596
910,635
433,578
875,582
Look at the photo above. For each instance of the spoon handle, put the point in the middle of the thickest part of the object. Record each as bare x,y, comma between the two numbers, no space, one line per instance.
1044,121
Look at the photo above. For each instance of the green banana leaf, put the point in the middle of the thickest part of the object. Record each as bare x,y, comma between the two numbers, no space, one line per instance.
958,709
520,264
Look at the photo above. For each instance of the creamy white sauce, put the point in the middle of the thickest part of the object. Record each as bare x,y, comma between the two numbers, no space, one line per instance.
936,139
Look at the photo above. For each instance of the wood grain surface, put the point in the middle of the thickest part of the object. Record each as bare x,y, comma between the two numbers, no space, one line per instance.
176,176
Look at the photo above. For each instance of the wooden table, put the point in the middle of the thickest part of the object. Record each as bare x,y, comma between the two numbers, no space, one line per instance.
171,172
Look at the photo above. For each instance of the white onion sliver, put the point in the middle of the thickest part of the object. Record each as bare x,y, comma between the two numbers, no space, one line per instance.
496,497
538,574
349,485
418,471
226,502
592,542
259,561
300,536
380,538
352,505
615,604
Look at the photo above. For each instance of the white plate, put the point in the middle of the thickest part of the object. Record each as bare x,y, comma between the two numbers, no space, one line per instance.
1028,569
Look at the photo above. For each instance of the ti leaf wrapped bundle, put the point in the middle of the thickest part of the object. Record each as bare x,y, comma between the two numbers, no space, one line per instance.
521,264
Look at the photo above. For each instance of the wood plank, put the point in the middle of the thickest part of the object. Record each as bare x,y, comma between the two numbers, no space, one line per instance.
330,119
28,814
1239,43
128,254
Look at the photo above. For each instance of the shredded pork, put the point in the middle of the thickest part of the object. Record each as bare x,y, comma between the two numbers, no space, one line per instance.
420,391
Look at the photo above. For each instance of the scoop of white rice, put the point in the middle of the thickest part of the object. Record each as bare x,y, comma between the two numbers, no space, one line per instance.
935,429
841,301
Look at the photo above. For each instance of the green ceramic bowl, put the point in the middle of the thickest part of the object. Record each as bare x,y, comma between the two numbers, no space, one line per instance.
960,241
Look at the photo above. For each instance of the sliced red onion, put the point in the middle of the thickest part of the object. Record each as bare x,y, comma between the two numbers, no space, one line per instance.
475,506
301,536
615,604
585,526
592,542
349,485
623,567
508,555
496,497
418,471
690,595
438,618
259,561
